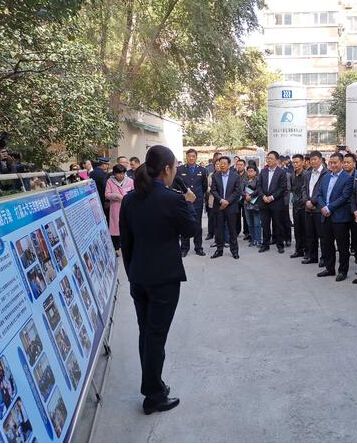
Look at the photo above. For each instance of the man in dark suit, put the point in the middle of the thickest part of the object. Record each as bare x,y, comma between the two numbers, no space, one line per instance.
226,190
313,228
272,186
334,199
195,178
100,177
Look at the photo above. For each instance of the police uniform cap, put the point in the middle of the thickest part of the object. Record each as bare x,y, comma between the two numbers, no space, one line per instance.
102,160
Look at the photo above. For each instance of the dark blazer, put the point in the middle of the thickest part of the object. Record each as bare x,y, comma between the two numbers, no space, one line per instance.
100,178
306,190
150,229
340,199
354,194
233,191
196,181
278,187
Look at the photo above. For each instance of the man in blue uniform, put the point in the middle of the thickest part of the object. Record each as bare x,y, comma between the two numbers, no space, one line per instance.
100,177
195,178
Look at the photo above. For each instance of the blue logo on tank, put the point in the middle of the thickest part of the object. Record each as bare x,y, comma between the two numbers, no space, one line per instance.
287,117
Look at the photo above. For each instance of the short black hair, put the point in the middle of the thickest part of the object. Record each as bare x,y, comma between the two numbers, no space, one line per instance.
316,154
298,156
121,157
117,169
307,157
134,159
351,155
281,158
252,167
191,151
241,160
228,159
337,154
275,154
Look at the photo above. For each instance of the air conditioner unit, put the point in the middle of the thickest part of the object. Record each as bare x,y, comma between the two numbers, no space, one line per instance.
349,64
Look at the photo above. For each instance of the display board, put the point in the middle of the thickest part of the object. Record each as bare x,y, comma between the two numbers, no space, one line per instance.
50,323
86,219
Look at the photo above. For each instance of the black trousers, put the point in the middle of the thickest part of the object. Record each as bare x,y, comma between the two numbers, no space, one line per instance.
286,224
224,217
116,242
299,230
353,231
272,215
240,215
197,239
314,232
155,308
340,233
211,221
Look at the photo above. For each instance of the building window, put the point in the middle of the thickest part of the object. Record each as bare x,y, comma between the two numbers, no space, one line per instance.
325,18
321,137
323,48
318,108
287,19
278,19
287,50
315,79
351,52
279,50
352,24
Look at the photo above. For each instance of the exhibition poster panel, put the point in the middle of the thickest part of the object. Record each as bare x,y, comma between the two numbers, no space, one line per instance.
90,232
50,327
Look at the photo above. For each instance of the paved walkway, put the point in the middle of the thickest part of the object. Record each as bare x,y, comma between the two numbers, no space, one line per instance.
260,350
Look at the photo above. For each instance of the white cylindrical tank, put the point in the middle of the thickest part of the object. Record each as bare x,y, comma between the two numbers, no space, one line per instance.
287,114
351,117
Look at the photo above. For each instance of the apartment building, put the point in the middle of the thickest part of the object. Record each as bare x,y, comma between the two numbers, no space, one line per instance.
312,42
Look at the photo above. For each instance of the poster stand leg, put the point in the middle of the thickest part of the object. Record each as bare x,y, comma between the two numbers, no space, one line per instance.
97,394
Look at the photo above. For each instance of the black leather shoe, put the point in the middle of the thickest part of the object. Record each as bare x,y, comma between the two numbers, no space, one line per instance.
326,273
216,254
246,237
321,264
161,406
296,254
354,281
235,256
341,277
263,248
208,237
214,245
167,390
184,253
200,253
281,250
308,261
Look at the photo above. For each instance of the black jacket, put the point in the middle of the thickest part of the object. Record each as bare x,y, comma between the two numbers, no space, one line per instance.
100,178
306,190
233,191
150,228
277,189
196,181
296,187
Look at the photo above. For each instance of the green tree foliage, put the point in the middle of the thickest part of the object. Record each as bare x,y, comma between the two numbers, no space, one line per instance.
338,104
54,98
171,55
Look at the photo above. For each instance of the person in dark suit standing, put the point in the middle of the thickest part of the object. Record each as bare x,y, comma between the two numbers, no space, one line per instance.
272,186
226,190
334,199
296,185
313,228
195,178
152,219
100,176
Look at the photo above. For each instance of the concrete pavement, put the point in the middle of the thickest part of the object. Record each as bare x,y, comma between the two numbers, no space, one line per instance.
260,350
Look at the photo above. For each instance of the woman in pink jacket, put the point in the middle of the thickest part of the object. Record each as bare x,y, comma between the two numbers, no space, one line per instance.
118,185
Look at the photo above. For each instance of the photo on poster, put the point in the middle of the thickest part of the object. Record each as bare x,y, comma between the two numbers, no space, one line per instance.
97,212
86,297
52,313
67,290
93,317
78,275
85,341
66,240
93,254
88,262
8,389
17,426
100,300
44,376
43,255
76,316
74,370
60,257
52,233
36,281
63,342
31,342
57,411
25,251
